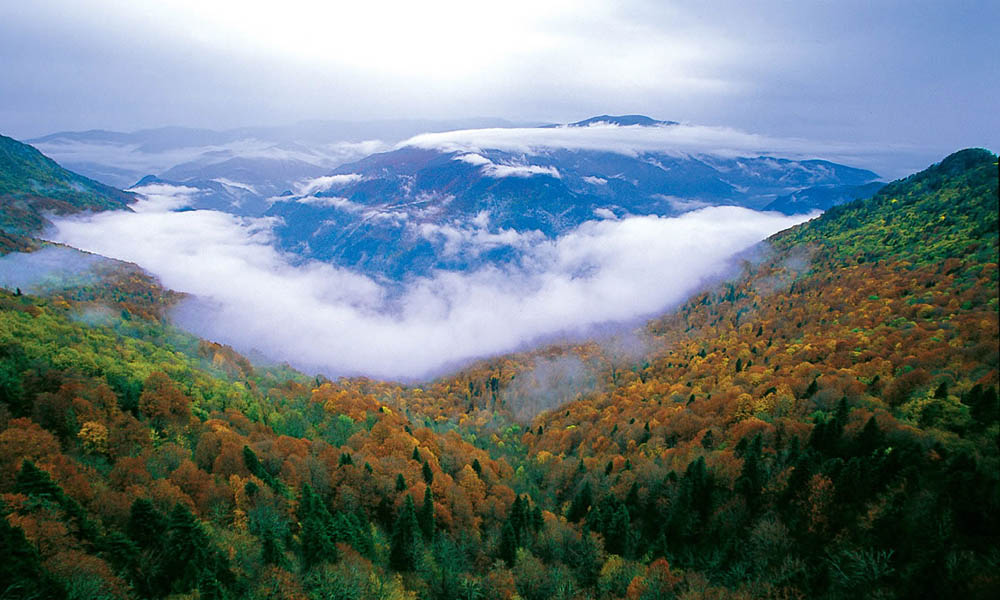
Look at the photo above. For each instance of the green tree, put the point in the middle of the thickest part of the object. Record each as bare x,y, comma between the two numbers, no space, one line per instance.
426,515
405,543
187,550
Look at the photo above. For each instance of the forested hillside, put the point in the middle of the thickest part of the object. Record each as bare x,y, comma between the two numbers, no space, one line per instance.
824,425
32,184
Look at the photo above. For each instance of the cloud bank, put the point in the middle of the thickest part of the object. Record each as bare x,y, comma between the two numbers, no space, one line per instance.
677,140
323,318
495,170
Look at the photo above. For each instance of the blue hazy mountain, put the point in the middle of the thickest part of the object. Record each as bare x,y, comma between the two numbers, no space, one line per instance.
412,210
822,197
622,120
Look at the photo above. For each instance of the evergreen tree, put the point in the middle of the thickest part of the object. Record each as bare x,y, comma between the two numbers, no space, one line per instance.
146,525
400,483
316,535
508,544
427,473
187,550
581,503
33,481
405,544
21,572
426,515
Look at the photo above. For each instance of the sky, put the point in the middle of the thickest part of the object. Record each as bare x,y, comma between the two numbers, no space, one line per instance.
921,77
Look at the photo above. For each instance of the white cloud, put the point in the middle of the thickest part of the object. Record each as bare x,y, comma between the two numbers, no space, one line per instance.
682,204
473,241
325,183
677,140
474,159
323,318
229,183
596,180
160,197
499,171
492,169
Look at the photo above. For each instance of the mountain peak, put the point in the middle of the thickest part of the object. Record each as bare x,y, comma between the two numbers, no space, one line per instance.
623,121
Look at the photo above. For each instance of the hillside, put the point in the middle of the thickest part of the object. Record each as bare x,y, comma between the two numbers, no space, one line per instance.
824,425
32,184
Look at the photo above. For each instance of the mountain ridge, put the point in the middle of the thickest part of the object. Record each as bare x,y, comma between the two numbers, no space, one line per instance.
32,184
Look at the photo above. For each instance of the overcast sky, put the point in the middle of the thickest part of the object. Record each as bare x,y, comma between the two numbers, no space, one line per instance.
913,74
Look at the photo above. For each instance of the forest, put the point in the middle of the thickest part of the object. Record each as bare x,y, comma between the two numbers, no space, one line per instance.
825,424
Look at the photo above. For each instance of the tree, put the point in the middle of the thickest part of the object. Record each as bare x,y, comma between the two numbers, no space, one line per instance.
426,515
187,550
21,572
316,536
581,503
427,473
405,544
508,544
146,525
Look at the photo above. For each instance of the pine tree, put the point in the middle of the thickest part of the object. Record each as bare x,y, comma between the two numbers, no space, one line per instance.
426,515
33,481
21,572
428,473
316,536
187,550
508,544
581,503
146,525
405,543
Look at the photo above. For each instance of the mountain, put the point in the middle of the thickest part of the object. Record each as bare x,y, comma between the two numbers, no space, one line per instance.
122,158
238,170
823,425
32,184
622,120
821,197
415,209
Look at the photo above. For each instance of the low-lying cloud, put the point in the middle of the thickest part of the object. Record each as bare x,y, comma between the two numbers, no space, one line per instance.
632,140
49,269
323,318
499,170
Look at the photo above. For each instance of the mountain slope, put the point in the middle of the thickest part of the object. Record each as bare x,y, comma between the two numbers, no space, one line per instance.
31,183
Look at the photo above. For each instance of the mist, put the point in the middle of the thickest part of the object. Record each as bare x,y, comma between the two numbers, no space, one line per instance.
48,269
322,318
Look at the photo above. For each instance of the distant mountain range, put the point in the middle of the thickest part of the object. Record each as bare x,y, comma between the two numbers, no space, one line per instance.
237,168
415,209
423,203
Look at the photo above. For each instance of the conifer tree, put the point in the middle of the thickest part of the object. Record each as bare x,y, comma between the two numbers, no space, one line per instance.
426,515
508,544
405,543
187,550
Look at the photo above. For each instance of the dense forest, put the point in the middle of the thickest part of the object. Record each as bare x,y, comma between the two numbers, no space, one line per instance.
825,424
